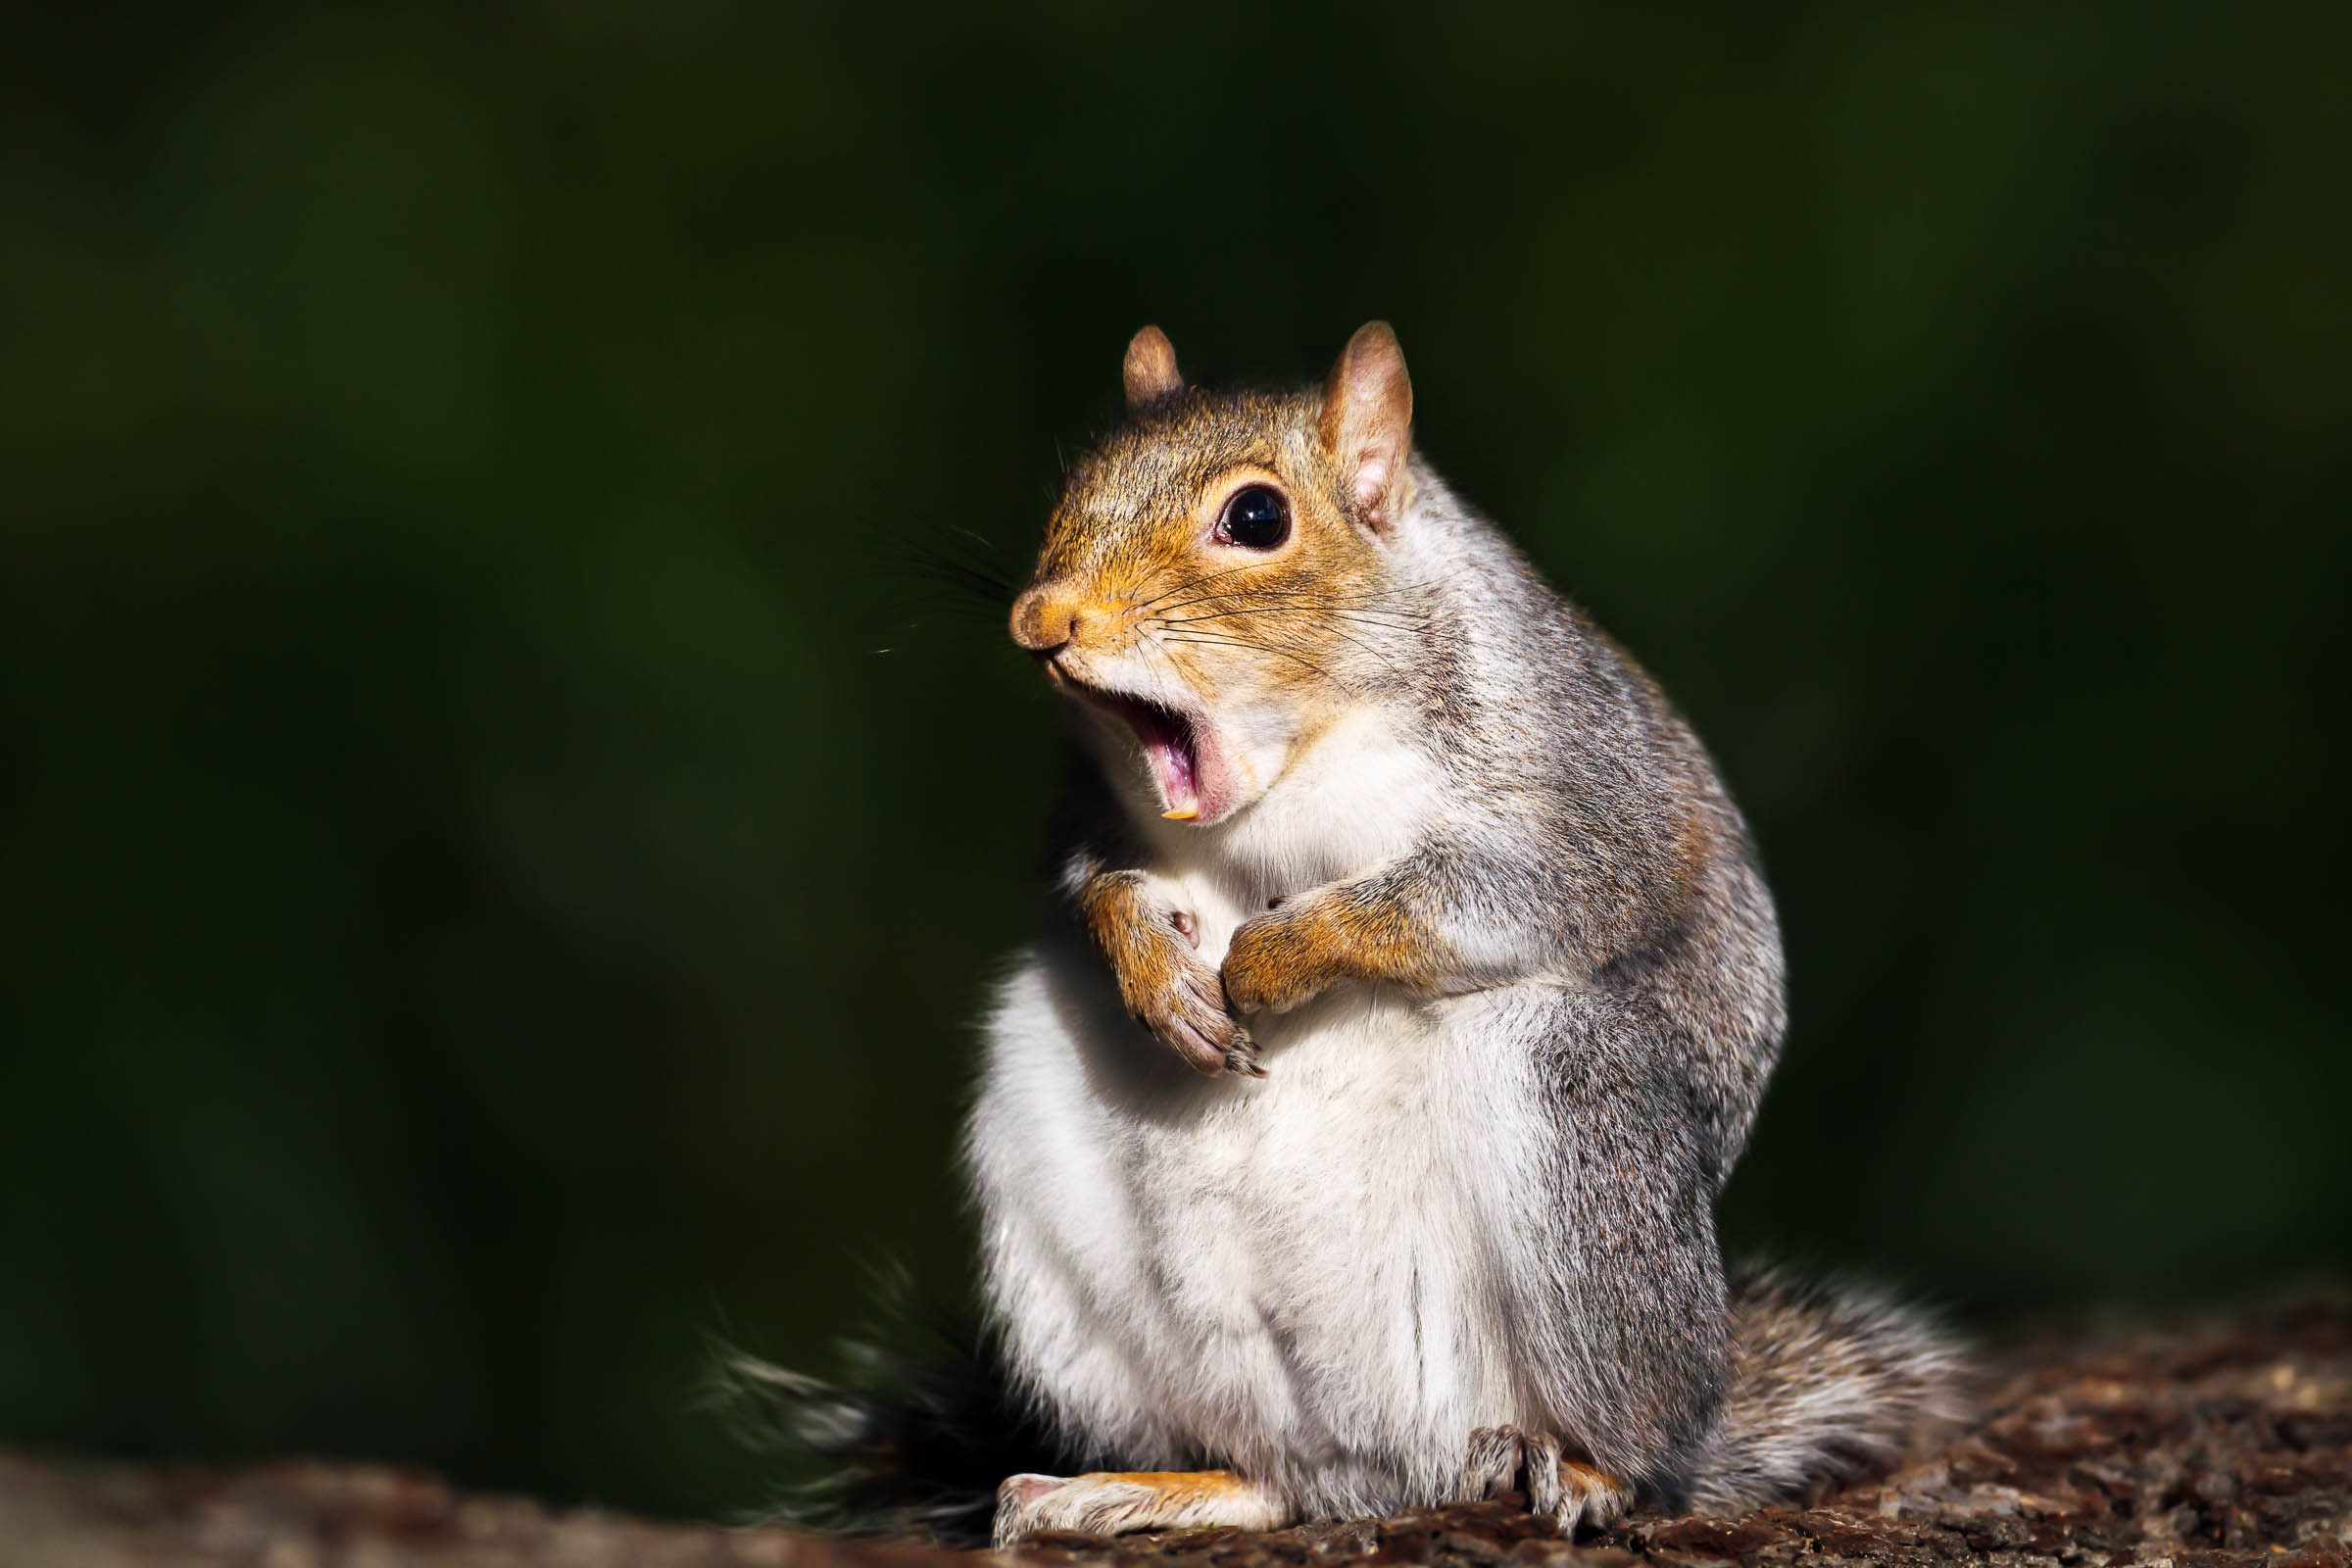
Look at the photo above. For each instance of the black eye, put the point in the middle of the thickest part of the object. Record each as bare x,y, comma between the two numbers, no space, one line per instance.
1255,519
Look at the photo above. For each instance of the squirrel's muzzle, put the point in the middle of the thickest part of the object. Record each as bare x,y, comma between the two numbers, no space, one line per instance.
1045,620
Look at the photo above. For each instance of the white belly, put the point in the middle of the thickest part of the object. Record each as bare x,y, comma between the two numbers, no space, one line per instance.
1287,1275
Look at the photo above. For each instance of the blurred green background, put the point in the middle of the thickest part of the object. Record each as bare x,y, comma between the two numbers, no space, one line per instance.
503,841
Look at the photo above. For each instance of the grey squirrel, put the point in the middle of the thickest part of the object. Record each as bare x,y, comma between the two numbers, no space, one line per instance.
1350,1139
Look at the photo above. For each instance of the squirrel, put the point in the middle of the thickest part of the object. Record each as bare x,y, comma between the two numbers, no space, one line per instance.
1350,1141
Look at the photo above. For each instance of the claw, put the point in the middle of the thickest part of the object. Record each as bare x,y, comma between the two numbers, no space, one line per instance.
1187,1012
1571,1492
1492,1463
1240,1058
1542,1467
1590,1497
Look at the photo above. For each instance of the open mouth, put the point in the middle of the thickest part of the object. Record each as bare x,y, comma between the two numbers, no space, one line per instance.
1171,747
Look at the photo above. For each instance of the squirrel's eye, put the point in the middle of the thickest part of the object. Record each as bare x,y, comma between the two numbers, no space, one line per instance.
1256,519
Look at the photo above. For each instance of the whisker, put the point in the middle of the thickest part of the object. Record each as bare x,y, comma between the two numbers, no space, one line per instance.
1193,583
1303,608
1151,644
1357,643
1368,650
959,568
1296,597
1408,594
1263,647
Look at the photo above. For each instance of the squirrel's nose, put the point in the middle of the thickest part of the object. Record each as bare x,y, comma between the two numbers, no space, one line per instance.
1044,621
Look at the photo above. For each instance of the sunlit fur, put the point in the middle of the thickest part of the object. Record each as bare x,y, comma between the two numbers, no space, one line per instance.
1273,647
1476,1187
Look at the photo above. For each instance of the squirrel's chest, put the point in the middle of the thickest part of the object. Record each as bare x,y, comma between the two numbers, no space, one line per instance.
1358,1099
1323,1201
1298,1262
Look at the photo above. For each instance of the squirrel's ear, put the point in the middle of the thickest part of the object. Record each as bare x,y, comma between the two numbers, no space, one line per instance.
1367,424
1151,368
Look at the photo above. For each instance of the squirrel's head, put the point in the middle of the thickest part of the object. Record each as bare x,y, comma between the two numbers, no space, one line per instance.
1215,584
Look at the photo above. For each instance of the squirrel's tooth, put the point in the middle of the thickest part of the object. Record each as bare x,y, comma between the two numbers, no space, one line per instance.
1184,815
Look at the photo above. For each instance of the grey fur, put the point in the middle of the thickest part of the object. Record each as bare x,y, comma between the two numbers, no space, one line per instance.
1484,1202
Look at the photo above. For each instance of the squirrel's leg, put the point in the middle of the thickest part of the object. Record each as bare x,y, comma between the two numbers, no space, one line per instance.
1425,922
1119,1502
1569,1489
1610,1241
1151,946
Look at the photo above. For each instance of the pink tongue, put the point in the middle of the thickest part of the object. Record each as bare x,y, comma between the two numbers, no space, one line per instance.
1173,761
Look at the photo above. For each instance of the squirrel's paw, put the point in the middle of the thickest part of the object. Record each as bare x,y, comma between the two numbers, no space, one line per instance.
1111,1503
1181,999
1573,1493
1189,1013
1272,964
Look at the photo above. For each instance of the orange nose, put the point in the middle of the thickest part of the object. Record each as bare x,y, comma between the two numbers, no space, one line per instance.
1045,620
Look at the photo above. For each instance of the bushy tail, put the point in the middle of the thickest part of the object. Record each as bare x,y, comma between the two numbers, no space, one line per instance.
1827,1381
910,1440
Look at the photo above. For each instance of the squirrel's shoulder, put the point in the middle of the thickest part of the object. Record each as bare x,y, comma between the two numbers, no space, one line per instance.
1510,649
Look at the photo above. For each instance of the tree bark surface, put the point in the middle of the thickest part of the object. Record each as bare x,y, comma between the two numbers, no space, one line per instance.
2221,1442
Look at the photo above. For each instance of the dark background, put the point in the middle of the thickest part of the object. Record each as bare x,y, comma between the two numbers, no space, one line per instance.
501,842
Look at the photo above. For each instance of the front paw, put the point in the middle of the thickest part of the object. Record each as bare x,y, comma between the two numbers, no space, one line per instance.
1170,992
1184,1005
1274,963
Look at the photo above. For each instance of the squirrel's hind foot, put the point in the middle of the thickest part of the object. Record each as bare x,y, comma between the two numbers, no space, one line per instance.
1121,1503
1572,1492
